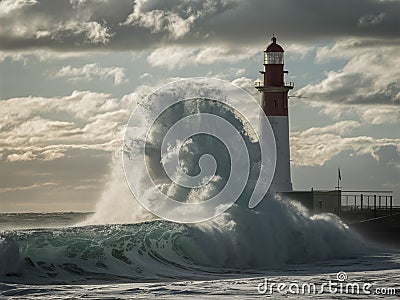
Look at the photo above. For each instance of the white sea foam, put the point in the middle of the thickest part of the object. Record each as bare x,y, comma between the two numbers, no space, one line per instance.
275,233
117,204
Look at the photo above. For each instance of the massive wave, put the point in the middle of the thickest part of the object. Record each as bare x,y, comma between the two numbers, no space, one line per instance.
124,242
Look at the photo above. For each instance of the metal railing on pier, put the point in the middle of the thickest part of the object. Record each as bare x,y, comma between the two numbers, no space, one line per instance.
377,203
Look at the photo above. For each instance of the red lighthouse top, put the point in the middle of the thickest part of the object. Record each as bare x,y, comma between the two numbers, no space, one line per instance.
274,90
274,47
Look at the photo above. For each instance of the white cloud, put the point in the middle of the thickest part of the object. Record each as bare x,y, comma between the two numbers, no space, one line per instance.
27,155
179,57
94,32
8,6
298,50
48,24
89,71
40,55
158,21
83,32
368,114
55,150
82,3
175,19
366,78
145,75
29,187
342,128
379,115
32,128
351,47
317,145
248,85
368,85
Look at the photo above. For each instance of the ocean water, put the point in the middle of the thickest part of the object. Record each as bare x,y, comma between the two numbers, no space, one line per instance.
123,252
175,261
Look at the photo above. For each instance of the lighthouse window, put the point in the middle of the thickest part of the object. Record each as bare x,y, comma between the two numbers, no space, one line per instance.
274,103
274,58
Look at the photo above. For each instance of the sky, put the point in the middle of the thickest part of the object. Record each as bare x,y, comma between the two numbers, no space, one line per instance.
72,71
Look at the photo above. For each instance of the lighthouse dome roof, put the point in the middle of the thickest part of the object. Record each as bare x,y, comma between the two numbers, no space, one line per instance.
274,47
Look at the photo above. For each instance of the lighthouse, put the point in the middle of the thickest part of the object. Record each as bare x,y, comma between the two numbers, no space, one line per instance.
274,102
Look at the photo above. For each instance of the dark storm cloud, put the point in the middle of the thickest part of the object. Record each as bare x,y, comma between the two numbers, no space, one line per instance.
79,25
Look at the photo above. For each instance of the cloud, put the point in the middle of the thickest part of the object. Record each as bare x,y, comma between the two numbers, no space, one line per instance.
351,47
92,32
388,155
368,114
248,85
341,128
371,20
35,128
90,71
160,21
104,25
49,128
55,151
295,50
8,6
317,145
145,75
367,85
52,25
368,78
29,187
27,155
179,57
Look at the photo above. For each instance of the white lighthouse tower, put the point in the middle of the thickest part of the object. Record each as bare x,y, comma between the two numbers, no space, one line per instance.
274,101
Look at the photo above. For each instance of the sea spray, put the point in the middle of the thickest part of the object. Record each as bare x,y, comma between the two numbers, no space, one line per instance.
276,233
117,204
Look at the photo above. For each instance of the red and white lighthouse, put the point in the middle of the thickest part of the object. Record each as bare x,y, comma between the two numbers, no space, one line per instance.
274,101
